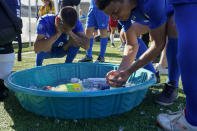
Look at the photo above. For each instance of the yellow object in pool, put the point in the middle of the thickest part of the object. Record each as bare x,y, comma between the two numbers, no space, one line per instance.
74,87
71,87
61,87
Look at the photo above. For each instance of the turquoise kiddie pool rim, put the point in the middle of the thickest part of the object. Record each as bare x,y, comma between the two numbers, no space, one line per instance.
14,87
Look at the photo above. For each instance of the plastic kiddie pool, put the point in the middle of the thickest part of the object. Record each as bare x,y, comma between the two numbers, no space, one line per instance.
76,105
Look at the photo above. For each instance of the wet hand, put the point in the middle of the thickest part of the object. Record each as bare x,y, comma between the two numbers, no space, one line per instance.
117,78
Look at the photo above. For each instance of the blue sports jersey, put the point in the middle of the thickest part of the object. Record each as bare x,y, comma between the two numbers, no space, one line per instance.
182,1
149,12
46,26
92,4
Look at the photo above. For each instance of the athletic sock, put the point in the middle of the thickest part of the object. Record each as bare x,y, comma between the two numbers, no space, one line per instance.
103,46
89,51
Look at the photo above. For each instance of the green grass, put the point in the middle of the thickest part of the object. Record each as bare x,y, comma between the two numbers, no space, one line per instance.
141,118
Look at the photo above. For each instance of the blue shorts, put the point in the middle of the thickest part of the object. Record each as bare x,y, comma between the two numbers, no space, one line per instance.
55,53
97,19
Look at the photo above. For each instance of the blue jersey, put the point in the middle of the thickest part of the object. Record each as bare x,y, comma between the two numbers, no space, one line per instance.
149,12
92,4
182,1
46,26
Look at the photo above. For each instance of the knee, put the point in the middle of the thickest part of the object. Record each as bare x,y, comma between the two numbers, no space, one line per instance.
89,32
103,33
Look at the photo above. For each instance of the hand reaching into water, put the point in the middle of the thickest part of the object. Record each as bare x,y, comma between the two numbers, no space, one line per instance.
117,78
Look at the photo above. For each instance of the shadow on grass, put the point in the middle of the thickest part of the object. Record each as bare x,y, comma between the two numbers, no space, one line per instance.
140,118
25,45
114,55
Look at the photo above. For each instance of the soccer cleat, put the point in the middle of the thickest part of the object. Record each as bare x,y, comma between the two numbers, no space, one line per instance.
168,95
100,59
174,122
86,59
121,48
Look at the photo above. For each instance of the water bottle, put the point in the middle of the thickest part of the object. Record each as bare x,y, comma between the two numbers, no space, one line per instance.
75,80
69,87
99,83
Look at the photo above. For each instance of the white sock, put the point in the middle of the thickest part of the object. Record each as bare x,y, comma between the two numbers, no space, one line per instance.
112,38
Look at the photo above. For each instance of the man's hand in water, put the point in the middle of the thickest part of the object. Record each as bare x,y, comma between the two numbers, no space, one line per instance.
117,78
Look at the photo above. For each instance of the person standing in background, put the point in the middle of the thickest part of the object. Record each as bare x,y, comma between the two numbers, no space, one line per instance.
47,8
122,37
112,27
96,20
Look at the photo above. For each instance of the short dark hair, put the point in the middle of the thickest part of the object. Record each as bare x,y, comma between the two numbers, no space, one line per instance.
69,15
102,4
63,3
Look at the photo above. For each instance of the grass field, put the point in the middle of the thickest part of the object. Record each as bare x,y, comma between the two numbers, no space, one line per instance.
141,118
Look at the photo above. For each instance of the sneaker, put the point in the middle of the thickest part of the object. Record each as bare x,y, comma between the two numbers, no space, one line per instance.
86,59
121,48
100,59
174,122
113,45
162,71
168,95
3,90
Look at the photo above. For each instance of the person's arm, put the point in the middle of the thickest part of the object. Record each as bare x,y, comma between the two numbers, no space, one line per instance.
157,23
159,40
130,50
121,76
43,44
79,39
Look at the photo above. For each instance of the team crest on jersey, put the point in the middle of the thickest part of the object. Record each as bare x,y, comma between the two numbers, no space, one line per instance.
60,44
